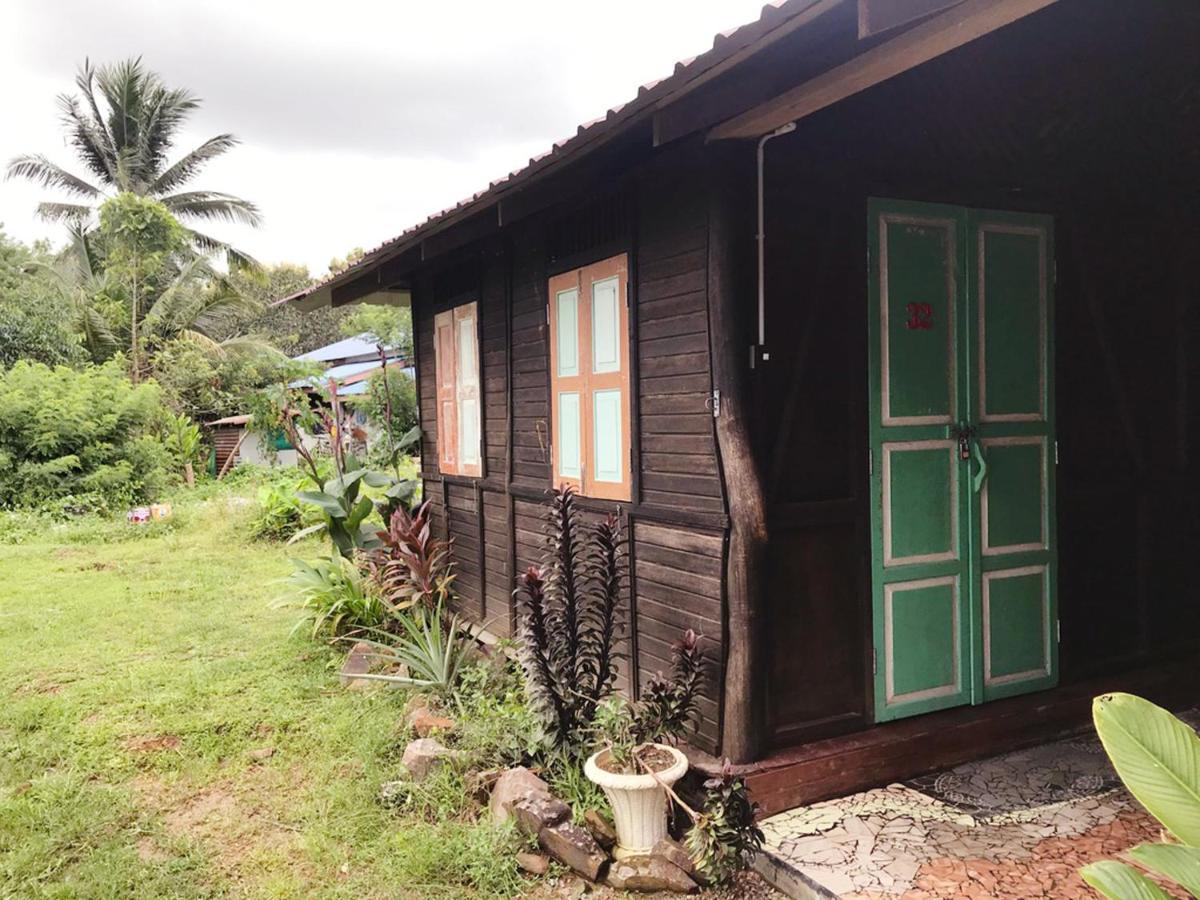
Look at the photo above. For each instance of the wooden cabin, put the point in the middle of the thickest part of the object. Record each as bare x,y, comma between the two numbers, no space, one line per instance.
878,323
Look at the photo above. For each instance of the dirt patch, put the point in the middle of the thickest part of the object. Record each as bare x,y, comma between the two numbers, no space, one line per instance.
152,743
204,811
149,852
233,830
98,565
42,686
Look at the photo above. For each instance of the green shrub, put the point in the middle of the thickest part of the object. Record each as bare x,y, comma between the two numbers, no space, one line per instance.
279,514
335,597
496,726
87,433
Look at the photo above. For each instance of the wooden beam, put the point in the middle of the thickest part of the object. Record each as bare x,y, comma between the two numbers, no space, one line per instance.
743,724
941,34
670,124
878,16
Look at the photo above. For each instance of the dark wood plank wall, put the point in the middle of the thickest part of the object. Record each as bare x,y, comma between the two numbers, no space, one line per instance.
811,416
679,535
676,524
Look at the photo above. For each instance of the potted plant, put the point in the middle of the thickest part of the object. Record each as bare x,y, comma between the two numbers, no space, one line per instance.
635,767
634,776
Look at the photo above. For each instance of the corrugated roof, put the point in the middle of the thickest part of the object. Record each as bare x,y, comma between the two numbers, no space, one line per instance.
359,345
726,45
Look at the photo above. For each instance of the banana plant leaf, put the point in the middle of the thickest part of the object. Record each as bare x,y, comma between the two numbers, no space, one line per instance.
329,505
1121,882
1180,864
1158,758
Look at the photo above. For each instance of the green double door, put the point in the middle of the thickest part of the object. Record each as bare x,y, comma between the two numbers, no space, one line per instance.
962,456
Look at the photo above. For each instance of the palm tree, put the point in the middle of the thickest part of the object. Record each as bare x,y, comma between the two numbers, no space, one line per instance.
124,143
196,304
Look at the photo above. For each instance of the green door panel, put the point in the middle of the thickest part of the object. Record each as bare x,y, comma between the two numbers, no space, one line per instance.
918,297
1013,504
963,550
925,614
1012,322
920,497
1018,630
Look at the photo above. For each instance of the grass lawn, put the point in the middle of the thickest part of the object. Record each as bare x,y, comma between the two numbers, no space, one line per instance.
163,735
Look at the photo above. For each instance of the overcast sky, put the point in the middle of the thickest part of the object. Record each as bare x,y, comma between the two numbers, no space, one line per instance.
357,118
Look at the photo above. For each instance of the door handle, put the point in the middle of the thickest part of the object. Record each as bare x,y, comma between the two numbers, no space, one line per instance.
982,473
969,449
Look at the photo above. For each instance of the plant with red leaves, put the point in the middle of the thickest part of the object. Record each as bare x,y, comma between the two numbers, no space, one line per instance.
412,567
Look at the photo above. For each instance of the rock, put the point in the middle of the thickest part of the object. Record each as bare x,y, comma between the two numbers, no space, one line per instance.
479,784
650,873
394,793
533,863
673,852
510,786
415,702
574,848
425,722
262,753
535,810
358,662
424,755
602,829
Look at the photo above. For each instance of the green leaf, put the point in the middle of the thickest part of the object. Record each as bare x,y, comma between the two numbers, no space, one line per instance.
401,490
1158,758
327,503
338,487
377,479
1121,882
410,437
305,532
361,510
1180,864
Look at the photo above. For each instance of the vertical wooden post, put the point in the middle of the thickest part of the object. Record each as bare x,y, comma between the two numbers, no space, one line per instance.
743,726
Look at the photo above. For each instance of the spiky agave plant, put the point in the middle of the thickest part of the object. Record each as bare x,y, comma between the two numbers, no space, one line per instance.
569,620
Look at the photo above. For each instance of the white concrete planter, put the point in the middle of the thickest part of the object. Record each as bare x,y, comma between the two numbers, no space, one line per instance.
638,802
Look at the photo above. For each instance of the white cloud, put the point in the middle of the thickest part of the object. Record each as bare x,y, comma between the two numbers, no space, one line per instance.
358,119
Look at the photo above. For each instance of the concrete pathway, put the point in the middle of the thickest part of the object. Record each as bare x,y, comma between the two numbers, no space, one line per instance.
1017,825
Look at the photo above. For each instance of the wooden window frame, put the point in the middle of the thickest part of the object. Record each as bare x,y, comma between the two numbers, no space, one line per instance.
587,382
454,388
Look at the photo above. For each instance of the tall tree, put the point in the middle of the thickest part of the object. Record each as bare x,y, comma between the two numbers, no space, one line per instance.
123,124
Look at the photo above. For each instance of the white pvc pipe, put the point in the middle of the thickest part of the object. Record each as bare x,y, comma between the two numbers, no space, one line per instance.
762,290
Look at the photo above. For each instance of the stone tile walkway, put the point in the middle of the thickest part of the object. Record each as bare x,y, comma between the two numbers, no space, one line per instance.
1017,825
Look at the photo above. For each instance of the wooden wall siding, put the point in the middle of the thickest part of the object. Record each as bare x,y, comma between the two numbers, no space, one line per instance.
679,576
810,418
497,524
497,609
464,531
494,369
424,309
678,453
530,365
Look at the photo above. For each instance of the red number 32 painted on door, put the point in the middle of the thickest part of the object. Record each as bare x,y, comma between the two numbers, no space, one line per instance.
920,316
